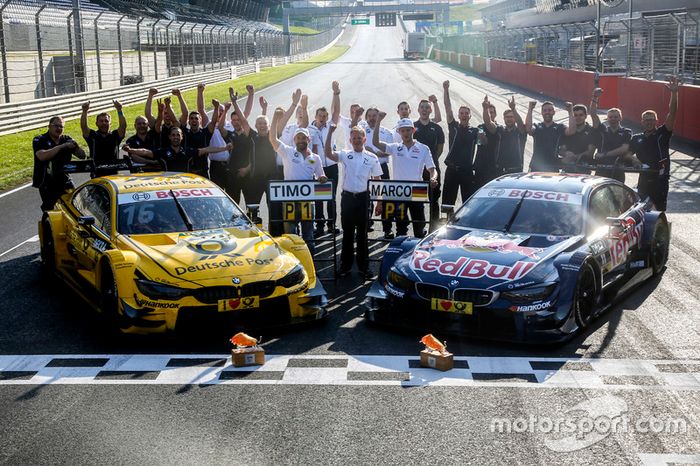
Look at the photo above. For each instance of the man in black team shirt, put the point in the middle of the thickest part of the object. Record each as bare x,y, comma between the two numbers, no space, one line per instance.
651,147
580,139
175,157
485,168
546,137
614,139
459,175
196,136
52,150
431,134
512,138
103,143
145,138
239,163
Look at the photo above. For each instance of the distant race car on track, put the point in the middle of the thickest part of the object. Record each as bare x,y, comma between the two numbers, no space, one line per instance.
163,251
529,257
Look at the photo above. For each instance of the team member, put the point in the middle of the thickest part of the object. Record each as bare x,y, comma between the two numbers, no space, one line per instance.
431,134
103,143
580,139
387,137
485,168
318,129
409,160
651,147
614,139
239,162
299,108
145,137
546,137
459,175
196,136
511,142
175,157
165,122
52,150
403,110
359,167
299,164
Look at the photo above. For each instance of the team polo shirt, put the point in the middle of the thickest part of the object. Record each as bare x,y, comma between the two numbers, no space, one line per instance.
486,153
611,139
196,139
463,140
653,149
581,139
545,149
287,137
346,124
49,172
359,167
408,164
150,142
298,166
242,151
511,148
104,147
264,156
177,160
165,135
385,136
318,138
431,135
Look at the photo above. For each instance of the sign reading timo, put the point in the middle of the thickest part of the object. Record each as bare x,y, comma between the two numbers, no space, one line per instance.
300,191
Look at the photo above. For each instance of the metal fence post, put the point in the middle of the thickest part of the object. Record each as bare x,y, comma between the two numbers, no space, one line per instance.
182,48
42,80
79,59
3,52
228,45
138,46
70,50
121,52
221,46
155,50
211,44
97,51
194,53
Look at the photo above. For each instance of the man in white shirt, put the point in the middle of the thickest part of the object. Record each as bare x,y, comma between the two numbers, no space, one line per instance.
318,129
409,159
299,107
299,164
360,166
346,122
385,136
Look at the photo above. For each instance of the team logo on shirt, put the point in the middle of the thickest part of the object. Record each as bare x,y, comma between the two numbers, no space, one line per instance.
350,156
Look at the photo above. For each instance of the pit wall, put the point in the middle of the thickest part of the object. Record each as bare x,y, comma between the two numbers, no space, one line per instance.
631,95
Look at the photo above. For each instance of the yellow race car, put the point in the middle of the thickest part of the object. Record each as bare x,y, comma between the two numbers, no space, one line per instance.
158,252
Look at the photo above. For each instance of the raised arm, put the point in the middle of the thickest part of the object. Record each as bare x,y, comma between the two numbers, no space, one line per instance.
200,106
518,118
211,127
335,103
249,102
143,153
528,118
571,128
436,109
121,130
272,134
488,123
448,104
284,119
327,146
83,120
214,150
593,108
672,86
149,107
159,120
222,120
237,110
263,105
304,103
375,134
184,111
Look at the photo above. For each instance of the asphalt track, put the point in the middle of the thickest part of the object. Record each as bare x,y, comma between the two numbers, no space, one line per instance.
71,391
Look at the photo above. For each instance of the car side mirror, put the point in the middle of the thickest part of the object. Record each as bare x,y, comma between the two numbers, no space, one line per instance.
86,221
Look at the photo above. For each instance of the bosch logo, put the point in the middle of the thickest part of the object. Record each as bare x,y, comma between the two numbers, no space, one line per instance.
141,196
236,281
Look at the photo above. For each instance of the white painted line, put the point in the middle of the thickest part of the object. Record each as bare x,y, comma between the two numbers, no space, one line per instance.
12,191
33,239
655,459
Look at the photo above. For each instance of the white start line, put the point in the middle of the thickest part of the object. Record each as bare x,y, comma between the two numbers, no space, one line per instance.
404,371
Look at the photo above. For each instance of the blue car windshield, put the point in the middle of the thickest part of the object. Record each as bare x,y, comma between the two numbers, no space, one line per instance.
163,215
534,216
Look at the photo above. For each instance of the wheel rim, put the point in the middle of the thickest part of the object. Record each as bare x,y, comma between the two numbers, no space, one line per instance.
585,295
659,249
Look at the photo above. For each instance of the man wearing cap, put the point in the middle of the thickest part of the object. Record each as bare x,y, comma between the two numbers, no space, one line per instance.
360,166
409,159
299,164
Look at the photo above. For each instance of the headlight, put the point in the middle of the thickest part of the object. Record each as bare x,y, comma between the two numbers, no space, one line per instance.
293,278
159,291
399,281
526,295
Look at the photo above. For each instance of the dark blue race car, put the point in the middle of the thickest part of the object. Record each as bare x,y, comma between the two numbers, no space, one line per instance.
529,257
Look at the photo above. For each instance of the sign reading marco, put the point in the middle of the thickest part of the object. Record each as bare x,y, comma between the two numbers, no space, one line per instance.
405,191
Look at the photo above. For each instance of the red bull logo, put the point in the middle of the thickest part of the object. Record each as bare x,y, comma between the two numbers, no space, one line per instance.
465,267
504,246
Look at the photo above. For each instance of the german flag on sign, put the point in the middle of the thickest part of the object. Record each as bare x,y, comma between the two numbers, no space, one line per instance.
420,192
322,189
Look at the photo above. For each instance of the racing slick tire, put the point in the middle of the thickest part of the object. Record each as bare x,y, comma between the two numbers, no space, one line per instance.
47,248
585,296
660,242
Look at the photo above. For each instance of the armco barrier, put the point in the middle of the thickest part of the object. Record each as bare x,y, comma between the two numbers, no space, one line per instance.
632,95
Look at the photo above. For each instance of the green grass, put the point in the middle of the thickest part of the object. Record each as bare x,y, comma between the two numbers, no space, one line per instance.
464,13
17,161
